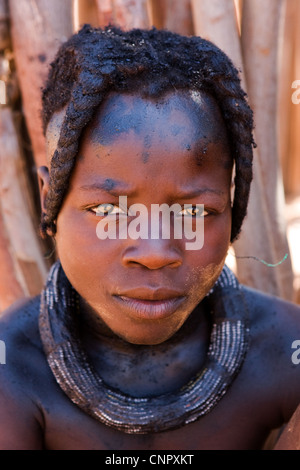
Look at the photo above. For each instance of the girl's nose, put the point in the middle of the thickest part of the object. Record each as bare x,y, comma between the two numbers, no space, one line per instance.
152,254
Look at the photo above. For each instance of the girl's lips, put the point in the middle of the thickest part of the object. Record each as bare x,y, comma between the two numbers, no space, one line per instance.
150,309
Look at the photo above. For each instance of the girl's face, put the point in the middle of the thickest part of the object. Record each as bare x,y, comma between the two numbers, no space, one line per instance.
171,150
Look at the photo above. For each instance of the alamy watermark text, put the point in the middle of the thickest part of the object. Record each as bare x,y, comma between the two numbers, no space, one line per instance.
2,353
135,223
296,354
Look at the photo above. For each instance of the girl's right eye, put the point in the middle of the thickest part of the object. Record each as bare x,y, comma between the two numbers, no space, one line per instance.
107,209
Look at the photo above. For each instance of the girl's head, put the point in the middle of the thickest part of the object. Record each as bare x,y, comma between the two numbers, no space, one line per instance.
160,119
95,62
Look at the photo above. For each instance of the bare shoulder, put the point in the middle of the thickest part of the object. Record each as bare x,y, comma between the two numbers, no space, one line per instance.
290,437
19,323
271,316
274,328
20,375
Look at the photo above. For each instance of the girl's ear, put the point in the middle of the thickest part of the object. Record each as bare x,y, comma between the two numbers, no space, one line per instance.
43,180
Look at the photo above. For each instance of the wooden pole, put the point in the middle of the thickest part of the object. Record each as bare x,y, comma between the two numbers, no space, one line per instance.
285,105
289,117
10,287
174,15
38,29
105,12
24,244
260,30
216,21
131,13
85,11
239,10
127,14
4,25
157,13
263,233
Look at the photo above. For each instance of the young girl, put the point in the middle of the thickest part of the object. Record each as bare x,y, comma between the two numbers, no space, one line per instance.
140,340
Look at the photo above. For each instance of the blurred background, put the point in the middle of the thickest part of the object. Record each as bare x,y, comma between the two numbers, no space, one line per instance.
262,39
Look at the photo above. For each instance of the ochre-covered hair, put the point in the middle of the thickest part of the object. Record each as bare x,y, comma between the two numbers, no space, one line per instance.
95,61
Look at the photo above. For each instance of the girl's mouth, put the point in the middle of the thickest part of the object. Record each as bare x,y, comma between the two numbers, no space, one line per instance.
146,309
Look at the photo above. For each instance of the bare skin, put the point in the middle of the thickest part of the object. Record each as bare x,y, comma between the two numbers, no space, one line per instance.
290,437
153,152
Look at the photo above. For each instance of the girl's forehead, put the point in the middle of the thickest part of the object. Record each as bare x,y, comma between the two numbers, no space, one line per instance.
193,114
177,112
180,131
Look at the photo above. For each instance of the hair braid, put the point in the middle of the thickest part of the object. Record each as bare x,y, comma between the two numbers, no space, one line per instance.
151,62
235,110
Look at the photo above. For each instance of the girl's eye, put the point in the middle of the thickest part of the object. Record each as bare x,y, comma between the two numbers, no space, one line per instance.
195,210
107,209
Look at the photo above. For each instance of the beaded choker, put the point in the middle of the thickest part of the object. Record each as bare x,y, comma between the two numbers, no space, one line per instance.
58,323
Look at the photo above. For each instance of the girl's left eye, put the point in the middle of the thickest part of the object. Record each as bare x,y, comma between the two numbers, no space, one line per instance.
107,209
195,210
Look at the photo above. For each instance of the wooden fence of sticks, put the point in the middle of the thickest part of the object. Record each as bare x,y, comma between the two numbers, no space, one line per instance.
263,40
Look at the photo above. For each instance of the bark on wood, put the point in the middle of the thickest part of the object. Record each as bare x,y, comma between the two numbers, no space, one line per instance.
23,239
38,29
174,15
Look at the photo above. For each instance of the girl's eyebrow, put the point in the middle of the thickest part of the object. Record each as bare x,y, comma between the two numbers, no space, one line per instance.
109,185
119,188
190,193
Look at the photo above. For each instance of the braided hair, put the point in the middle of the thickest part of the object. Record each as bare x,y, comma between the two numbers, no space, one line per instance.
95,61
